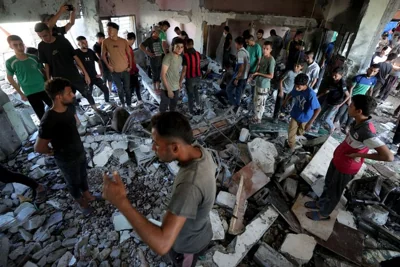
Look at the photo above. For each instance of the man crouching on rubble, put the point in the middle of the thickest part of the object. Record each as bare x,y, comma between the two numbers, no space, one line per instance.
349,157
186,230
59,126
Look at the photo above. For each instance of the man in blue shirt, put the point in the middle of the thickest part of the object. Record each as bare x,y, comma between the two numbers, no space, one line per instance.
305,109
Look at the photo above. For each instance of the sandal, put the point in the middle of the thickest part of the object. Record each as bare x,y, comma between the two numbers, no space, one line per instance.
311,205
315,216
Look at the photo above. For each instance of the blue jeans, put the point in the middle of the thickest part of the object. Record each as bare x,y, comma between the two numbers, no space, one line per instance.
235,91
122,81
327,115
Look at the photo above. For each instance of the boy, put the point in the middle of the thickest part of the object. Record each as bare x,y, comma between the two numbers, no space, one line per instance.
263,81
349,157
88,57
107,78
385,68
29,74
305,109
286,85
337,96
134,73
361,85
221,95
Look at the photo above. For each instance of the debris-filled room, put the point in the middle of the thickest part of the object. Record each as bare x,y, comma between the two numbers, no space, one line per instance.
199,133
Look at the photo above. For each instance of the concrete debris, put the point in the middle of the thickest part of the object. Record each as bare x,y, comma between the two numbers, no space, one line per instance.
121,155
261,196
34,222
65,259
54,219
374,257
8,189
55,255
6,220
120,222
54,204
29,264
69,243
119,144
70,232
299,246
125,235
20,189
47,250
346,218
290,187
244,242
104,254
267,256
217,226
263,154
112,236
37,173
101,158
25,234
173,167
376,214
41,234
4,248
225,200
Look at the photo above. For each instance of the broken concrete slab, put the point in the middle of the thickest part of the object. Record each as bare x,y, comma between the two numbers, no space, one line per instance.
321,229
8,189
217,226
19,189
244,242
54,219
226,200
267,256
376,214
121,155
263,153
6,220
25,234
41,234
121,222
254,180
346,218
125,235
290,187
236,226
70,232
55,255
119,144
47,250
23,212
101,158
34,222
65,259
300,247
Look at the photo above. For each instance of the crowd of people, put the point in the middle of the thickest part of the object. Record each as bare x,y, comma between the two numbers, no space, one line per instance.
186,229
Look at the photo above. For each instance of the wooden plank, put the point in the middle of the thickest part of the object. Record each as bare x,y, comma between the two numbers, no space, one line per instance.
236,226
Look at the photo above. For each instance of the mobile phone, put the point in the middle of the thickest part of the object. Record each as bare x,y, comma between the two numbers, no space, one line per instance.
70,7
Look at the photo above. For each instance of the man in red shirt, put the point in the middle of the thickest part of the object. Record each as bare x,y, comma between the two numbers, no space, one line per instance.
349,157
134,73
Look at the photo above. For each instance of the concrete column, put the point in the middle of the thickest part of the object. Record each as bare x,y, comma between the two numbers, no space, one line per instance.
377,14
91,21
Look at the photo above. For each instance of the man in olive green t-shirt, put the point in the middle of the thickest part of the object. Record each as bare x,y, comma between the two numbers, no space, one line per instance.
29,74
170,76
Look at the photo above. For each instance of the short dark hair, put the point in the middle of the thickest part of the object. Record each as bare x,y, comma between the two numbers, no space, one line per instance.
226,28
40,26
178,41
298,32
364,102
131,36
113,25
272,32
375,66
301,43
56,87
339,70
246,34
177,28
13,38
239,40
80,38
261,31
32,51
165,23
183,33
301,79
189,42
309,53
250,37
391,56
100,35
173,125
268,43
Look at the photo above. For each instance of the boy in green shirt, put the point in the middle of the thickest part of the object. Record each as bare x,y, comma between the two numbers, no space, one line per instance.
164,26
29,74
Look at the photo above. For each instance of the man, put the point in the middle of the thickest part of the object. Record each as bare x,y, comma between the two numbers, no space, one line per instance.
177,31
292,48
59,127
107,77
191,70
88,57
152,47
349,157
170,77
59,59
312,70
384,70
255,54
277,43
238,82
164,26
227,46
119,62
29,74
186,229
260,40
134,73
384,41
51,20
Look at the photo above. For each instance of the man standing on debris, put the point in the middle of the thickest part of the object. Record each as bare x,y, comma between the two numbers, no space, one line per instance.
349,157
305,109
384,70
164,26
152,47
255,54
191,71
59,59
238,83
292,48
119,62
277,43
88,57
134,73
260,37
186,229
263,78
170,76
29,74
107,78
59,127
312,70
227,46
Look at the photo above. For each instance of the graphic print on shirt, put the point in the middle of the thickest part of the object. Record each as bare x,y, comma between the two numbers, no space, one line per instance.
301,101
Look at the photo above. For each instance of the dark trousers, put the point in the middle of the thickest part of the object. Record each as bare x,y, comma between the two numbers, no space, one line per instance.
278,105
135,86
396,137
387,87
37,101
335,183
377,88
342,116
192,89
102,86
222,95
81,87
225,58
235,91
75,175
7,176
122,81
168,102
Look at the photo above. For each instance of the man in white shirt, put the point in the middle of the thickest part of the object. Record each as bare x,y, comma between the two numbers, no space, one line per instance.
312,70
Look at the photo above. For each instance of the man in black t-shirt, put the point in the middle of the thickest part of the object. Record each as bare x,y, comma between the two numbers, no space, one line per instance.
51,20
152,47
227,46
88,57
58,57
59,127
107,77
